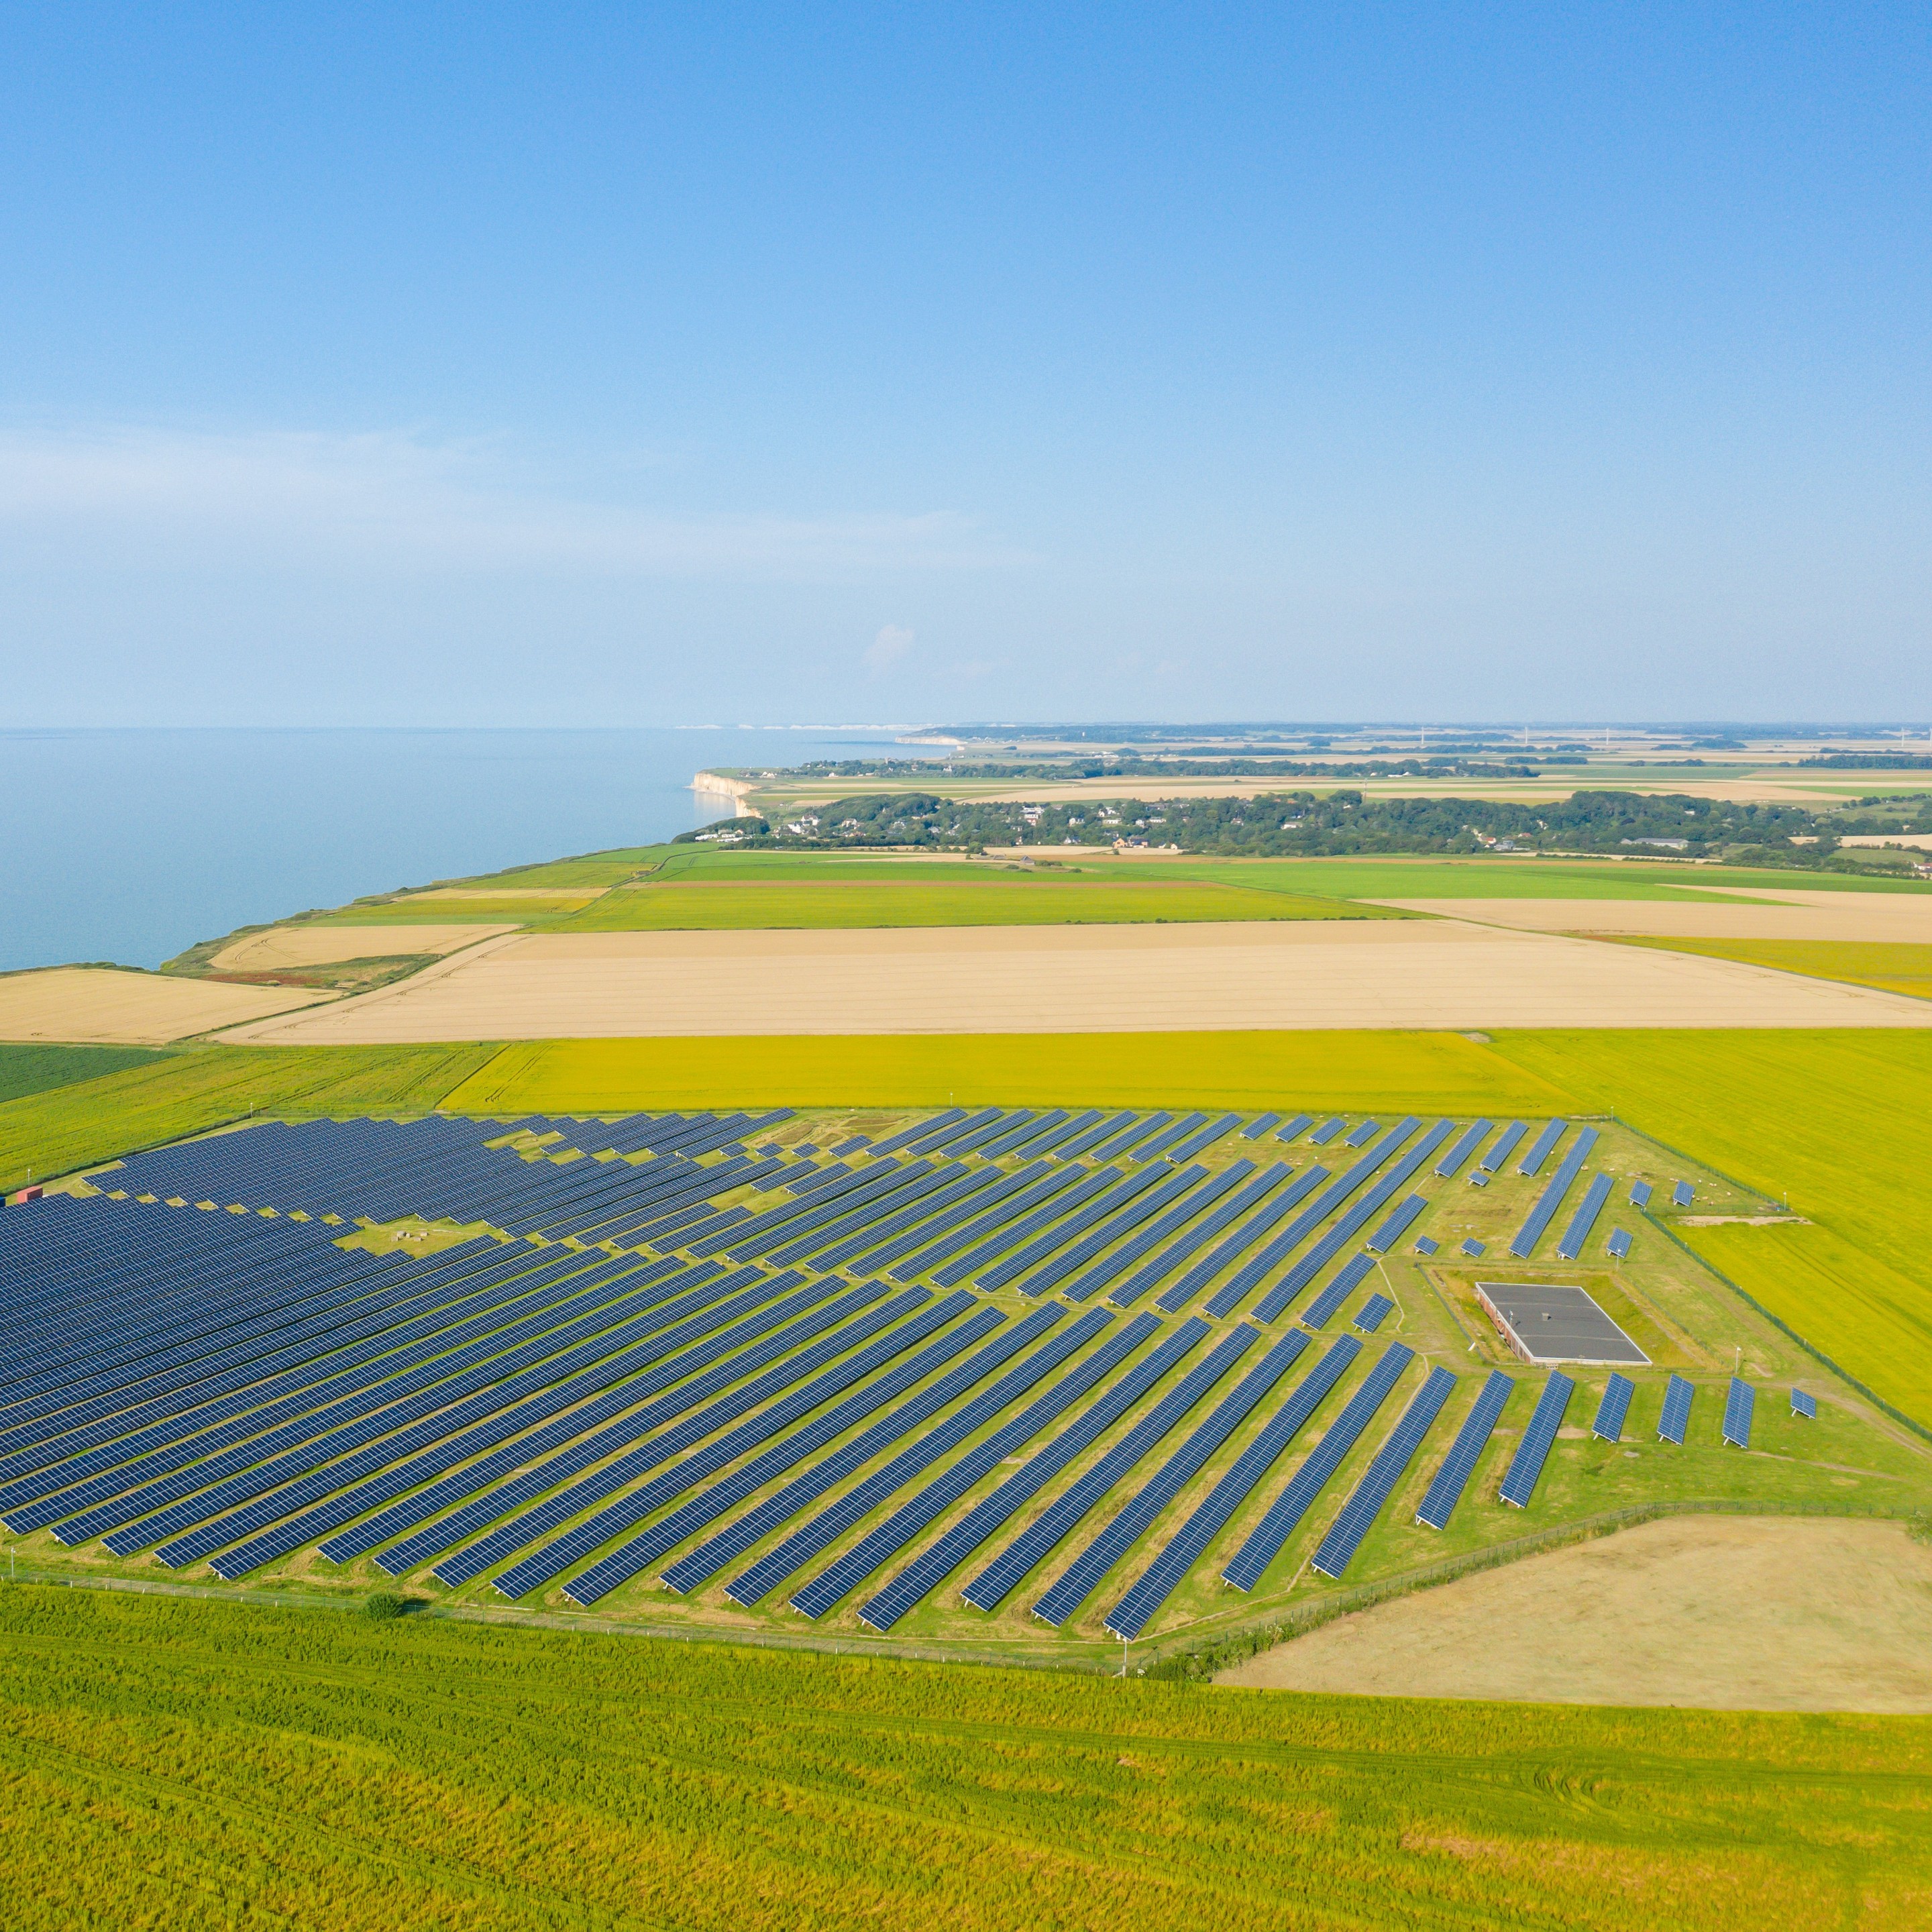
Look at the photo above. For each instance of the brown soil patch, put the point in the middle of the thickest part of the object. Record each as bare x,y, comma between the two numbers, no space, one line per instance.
85,1003
1764,1613
1288,975
298,946
1900,917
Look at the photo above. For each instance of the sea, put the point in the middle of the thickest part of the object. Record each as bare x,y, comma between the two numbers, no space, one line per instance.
130,846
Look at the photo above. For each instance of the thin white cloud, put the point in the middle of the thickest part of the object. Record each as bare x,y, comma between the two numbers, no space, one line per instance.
886,650
389,501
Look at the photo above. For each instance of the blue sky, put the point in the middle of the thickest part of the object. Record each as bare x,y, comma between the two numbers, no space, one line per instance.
646,365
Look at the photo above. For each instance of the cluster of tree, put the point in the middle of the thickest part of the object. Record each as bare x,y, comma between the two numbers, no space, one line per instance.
1301,824
1873,761
1132,765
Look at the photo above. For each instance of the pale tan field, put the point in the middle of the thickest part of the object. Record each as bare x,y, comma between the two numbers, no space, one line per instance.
285,946
1307,974
1763,1613
85,1003
1905,917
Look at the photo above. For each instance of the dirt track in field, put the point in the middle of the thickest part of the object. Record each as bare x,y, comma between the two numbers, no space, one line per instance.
1904,917
325,945
1307,974
1764,1613
87,1003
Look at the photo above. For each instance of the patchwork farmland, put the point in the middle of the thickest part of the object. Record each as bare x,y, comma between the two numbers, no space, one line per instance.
1025,1382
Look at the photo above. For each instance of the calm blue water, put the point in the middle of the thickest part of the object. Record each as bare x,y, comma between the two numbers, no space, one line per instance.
131,845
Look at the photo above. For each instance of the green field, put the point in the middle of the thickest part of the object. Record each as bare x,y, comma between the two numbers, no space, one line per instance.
25,1070
189,1764
167,1095
724,906
1889,965
1370,1070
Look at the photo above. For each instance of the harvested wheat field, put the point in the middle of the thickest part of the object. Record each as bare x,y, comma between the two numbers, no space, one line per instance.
1763,1613
1900,917
291,946
90,1003
1292,975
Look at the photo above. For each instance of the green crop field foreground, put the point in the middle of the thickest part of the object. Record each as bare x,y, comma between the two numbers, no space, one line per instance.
180,1764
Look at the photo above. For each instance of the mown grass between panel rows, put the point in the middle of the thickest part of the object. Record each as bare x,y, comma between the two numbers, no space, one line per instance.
163,1759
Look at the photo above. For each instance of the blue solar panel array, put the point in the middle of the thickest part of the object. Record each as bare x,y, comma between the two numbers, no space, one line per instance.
628,1374
1337,1549
1619,1244
1640,1193
1585,1218
1136,1516
1611,1411
1142,1603
1349,1277
1683,1194
1740,1404
1676,1417
1551,1198
1804,1406
1285,1513
1538,1439
1445,1489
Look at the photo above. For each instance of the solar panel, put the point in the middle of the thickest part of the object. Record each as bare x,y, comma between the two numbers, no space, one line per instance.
939,1560
699,1565
1347,1277
1345,1535
1611,1411
1473,1248
1425,1245
1288,1129
1540,1148
1158,1582
990,1588
920,1511
1740,1403
1392,1230
1285,1513
1503,1147
1682,1195
779,1564
1640,1193
1361,1136
1259,1126
1327,1131
1197,1236
704,1509
1373,1313
1676,1417
322,1516
1538,1439
829,1376
1466,1145
1551,1198
1619,1244
1345,1230
1452,1477
1135,1517
1585,1218
1804,1406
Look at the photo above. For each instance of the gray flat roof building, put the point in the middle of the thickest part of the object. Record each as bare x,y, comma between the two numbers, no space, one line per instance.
1543,1324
